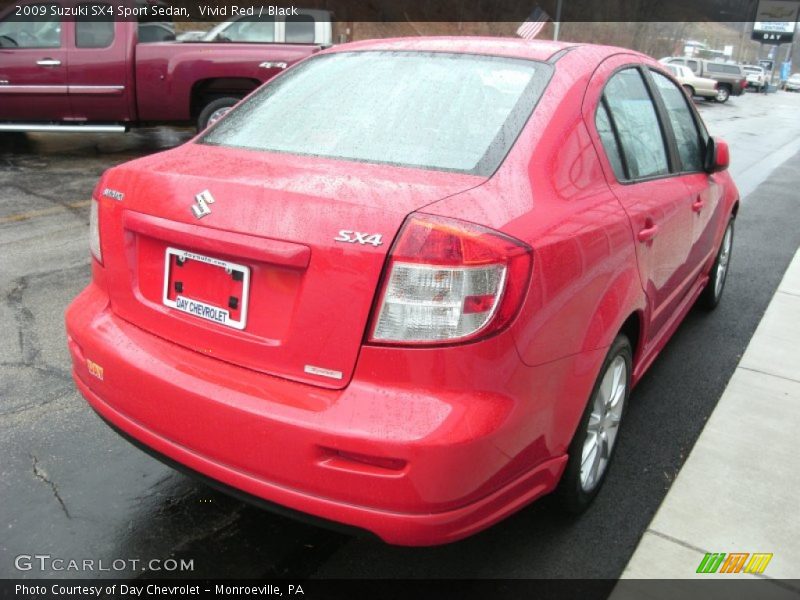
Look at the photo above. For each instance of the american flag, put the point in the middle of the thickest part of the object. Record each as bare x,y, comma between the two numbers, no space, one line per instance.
533,24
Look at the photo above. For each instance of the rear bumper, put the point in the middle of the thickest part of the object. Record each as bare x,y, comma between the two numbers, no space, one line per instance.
412,466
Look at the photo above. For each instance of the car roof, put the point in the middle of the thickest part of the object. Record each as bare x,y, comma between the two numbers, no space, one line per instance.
541,50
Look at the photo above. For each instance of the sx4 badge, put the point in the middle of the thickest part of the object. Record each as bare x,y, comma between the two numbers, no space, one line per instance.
357,237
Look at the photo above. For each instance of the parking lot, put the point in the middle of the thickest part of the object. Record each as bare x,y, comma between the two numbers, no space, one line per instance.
73,489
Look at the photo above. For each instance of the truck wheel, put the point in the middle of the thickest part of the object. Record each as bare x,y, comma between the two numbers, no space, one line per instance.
723,93
215,110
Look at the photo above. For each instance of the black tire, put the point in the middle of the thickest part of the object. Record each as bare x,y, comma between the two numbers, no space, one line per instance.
689,90
212,107
712,294
573,493
723,93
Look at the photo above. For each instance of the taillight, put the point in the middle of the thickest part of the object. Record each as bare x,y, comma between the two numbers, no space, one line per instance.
94,231
449,281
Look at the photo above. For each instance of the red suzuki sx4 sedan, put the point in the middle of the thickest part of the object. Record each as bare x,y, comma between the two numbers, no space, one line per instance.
407,285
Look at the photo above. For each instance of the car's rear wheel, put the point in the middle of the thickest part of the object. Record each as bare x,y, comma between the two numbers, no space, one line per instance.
593,445
723,93
689,90
712,294
215,110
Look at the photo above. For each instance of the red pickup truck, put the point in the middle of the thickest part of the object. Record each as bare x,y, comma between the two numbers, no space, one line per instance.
65,72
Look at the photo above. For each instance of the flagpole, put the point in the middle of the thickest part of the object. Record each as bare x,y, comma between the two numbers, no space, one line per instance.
557,23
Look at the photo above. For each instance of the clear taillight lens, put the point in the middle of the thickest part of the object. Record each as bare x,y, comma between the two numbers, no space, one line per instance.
449,281
94,231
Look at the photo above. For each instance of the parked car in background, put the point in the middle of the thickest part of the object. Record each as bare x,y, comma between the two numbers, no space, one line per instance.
694,85
730,77
194,35
87,74
322,303
793,83
310,26
756,77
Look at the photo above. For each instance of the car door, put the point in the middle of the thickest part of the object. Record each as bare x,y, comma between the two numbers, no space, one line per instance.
705,192
621,108
33,65
98,65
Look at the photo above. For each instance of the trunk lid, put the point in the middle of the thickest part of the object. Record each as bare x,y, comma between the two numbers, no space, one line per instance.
274,218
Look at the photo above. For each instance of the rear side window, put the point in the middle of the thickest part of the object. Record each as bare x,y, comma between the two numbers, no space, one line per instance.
300,29
42,29
454,112
94,31
693,65
722,68
609,139
687,136
636,122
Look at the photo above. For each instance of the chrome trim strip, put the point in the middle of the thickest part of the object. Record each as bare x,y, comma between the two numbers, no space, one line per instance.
33,89
110,90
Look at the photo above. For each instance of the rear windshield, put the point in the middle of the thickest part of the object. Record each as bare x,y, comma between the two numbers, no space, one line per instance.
455,112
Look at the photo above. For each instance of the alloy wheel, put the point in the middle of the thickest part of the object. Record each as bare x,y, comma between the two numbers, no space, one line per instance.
604,420
722,262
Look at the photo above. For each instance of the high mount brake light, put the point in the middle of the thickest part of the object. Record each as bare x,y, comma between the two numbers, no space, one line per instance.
448,281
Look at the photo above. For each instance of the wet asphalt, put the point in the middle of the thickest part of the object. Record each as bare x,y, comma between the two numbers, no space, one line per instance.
72,489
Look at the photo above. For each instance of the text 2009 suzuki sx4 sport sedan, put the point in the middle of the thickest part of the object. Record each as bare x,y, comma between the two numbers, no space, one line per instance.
407,285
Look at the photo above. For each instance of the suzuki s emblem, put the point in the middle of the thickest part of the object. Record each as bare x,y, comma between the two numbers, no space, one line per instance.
203,199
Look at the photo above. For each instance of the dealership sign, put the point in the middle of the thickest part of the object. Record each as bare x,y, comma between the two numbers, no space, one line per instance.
775,21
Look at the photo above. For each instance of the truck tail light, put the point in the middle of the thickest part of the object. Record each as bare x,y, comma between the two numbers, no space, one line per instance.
94,231
448,281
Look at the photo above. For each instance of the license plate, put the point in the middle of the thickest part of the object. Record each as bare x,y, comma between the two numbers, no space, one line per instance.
205,287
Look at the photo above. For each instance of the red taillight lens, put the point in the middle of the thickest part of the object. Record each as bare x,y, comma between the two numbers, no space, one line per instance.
449,281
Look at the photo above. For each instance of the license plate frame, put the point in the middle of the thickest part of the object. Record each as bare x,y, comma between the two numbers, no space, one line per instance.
199,308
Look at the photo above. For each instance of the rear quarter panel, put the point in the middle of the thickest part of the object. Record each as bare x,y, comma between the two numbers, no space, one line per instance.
551,193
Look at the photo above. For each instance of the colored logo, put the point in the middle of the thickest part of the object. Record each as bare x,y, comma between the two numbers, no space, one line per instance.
94,369
734,562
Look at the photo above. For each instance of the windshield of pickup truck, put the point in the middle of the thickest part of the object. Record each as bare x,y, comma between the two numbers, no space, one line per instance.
457,112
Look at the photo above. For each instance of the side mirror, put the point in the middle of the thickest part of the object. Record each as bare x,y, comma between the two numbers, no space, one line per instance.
717,155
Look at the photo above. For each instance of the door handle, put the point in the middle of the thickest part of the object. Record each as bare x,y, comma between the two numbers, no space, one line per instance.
698,204
48,62
648,233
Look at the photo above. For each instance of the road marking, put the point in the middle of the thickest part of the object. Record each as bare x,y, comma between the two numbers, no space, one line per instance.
42,212
749,178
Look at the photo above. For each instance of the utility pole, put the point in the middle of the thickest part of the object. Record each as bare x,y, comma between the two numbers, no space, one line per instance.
557,28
